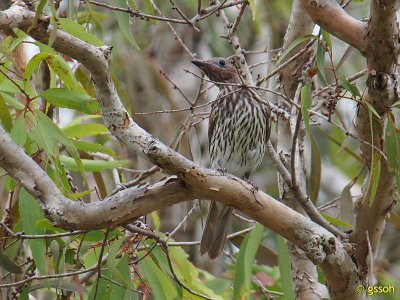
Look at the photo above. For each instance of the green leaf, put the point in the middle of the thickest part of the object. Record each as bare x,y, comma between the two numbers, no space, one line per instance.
345,56
294,44
264,255
391,143
392,140
100,287
160,284
306,104
8,86
5,116
54,25
374,175
78,31
93,17
58,284
335,221
24,295
31,212
160,259
91,147
327,38
375,170
253,8
156,220
93,236
315,172
8,265
285,269
46,125
148,8
189,274
346,204
62,97
348,86
124,23
93,165
39,11
320,58
132,4
57,64
80,130
112,262
341,144
244,263
11,42
46,224
372,109
18,132
10,100
76,196
119,292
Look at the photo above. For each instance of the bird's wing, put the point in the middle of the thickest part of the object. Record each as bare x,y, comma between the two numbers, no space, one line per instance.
266,111
213,117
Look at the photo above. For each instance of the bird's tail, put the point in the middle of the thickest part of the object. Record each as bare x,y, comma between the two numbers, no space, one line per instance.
216,229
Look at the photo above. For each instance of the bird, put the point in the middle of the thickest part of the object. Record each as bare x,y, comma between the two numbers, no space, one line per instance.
239,129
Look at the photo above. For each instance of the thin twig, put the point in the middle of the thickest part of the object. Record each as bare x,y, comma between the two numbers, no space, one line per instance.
284,64
206,12
351,78
41,277
16,84
143,175
100,260
266,50
194,243
235,26
243,218
121,285
182,221
293,168
178,38
166,251
21,235
299,193
187,108
175,87
137,13
174,6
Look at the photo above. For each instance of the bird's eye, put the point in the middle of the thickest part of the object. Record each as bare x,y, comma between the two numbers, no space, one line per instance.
221,63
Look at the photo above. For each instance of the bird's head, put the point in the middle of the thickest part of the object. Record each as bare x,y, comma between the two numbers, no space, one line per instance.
219,69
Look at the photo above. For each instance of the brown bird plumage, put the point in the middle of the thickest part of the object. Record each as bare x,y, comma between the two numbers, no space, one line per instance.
239,128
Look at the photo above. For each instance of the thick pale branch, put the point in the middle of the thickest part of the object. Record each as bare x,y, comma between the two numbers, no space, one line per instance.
330,16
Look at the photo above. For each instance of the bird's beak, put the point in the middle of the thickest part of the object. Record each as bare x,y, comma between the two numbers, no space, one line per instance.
200,63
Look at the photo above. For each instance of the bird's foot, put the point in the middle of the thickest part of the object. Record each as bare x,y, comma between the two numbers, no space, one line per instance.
222,171
254,187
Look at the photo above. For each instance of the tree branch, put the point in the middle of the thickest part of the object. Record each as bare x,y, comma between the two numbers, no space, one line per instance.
333,18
